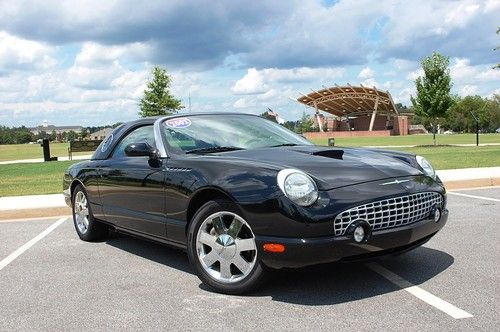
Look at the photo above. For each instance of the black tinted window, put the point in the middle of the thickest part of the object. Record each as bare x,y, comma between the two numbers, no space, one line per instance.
139,135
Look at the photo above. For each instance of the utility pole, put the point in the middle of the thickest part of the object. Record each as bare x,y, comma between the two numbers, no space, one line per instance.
477,127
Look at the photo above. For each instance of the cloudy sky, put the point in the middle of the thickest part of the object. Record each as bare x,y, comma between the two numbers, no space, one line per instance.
86,62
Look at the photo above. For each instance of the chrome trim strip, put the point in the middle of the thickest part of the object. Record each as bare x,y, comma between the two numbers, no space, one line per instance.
390,212
394,182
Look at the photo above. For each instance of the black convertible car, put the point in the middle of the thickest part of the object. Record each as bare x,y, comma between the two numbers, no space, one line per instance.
243,194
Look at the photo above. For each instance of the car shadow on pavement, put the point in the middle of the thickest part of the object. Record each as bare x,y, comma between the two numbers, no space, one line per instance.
346,282
316,285
165,255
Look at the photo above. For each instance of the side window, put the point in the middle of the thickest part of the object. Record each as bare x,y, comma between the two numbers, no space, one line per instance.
143,134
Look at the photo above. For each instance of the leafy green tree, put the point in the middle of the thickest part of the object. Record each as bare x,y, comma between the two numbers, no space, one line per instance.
460,119
42,134
433,97
84,133
305,124
157,99
71,136
6,136
23,135
291,125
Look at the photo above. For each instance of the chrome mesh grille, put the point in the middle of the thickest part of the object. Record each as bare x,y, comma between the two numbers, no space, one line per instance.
391,212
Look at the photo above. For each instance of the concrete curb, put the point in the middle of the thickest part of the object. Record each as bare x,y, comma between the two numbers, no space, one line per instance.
7,215
473,183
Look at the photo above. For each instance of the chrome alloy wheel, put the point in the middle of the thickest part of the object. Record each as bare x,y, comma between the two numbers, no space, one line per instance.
81,212
225,246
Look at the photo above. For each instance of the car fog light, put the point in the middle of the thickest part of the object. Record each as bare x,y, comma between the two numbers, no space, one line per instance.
437,215
359,234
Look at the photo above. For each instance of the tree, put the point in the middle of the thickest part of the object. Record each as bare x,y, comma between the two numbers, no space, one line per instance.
433,97
71,136
487,111
23,135
157,99
305,124
84,133
291,125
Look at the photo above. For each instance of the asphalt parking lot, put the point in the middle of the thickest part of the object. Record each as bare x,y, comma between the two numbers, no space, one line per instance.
57,282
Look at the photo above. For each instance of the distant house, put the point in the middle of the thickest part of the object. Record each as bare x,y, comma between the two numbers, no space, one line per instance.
45,127
100,134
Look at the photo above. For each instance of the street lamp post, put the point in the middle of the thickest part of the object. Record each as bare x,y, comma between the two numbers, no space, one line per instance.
477,127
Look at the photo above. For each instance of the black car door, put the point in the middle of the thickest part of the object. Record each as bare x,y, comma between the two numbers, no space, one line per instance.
132,188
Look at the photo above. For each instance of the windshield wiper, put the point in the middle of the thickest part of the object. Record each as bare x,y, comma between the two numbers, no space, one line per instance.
284,144
214,149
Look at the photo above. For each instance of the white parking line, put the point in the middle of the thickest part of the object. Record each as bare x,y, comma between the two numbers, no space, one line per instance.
419,293
6,261
474,196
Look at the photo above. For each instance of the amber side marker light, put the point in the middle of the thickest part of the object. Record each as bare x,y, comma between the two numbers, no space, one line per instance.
274,247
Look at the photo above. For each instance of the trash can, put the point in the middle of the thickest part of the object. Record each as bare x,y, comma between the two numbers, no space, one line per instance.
331,141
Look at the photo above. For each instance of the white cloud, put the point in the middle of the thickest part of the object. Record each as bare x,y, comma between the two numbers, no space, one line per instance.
371,82
22,54
251,83
269,95
365,73
93,54
463,71
413,75
244,103
468,90
259,81
462,13
491,5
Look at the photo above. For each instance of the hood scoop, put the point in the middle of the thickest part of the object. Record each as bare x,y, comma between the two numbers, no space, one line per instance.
335,154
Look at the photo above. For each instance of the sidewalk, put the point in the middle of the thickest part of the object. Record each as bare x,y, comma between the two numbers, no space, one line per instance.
415,146
40,160
54,205
470,177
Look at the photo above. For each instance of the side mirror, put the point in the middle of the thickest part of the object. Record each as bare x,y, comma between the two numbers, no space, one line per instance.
140,150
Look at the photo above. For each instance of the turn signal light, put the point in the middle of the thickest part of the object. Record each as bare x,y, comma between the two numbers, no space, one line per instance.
274,247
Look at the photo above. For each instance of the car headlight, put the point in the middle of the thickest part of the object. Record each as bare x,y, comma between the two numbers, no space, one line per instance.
426,166
298,186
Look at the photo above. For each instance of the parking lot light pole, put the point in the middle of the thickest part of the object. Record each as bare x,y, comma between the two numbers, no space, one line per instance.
477,127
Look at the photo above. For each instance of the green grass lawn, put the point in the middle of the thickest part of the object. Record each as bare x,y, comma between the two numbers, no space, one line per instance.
450,157
32,178
32,151
411,140
46,178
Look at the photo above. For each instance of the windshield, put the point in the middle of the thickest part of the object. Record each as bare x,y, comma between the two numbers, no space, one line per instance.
225,132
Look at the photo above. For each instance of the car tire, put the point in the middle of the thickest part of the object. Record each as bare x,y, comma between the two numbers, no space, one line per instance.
221,251
86,226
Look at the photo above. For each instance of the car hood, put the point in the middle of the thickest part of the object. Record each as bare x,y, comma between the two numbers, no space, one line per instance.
330,167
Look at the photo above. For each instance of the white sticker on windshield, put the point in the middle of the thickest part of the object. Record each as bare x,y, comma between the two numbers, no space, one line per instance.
178,123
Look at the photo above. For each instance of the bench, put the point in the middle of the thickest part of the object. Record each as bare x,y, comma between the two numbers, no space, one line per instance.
82,146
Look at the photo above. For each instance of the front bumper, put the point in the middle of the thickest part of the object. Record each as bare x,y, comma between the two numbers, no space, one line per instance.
301,252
